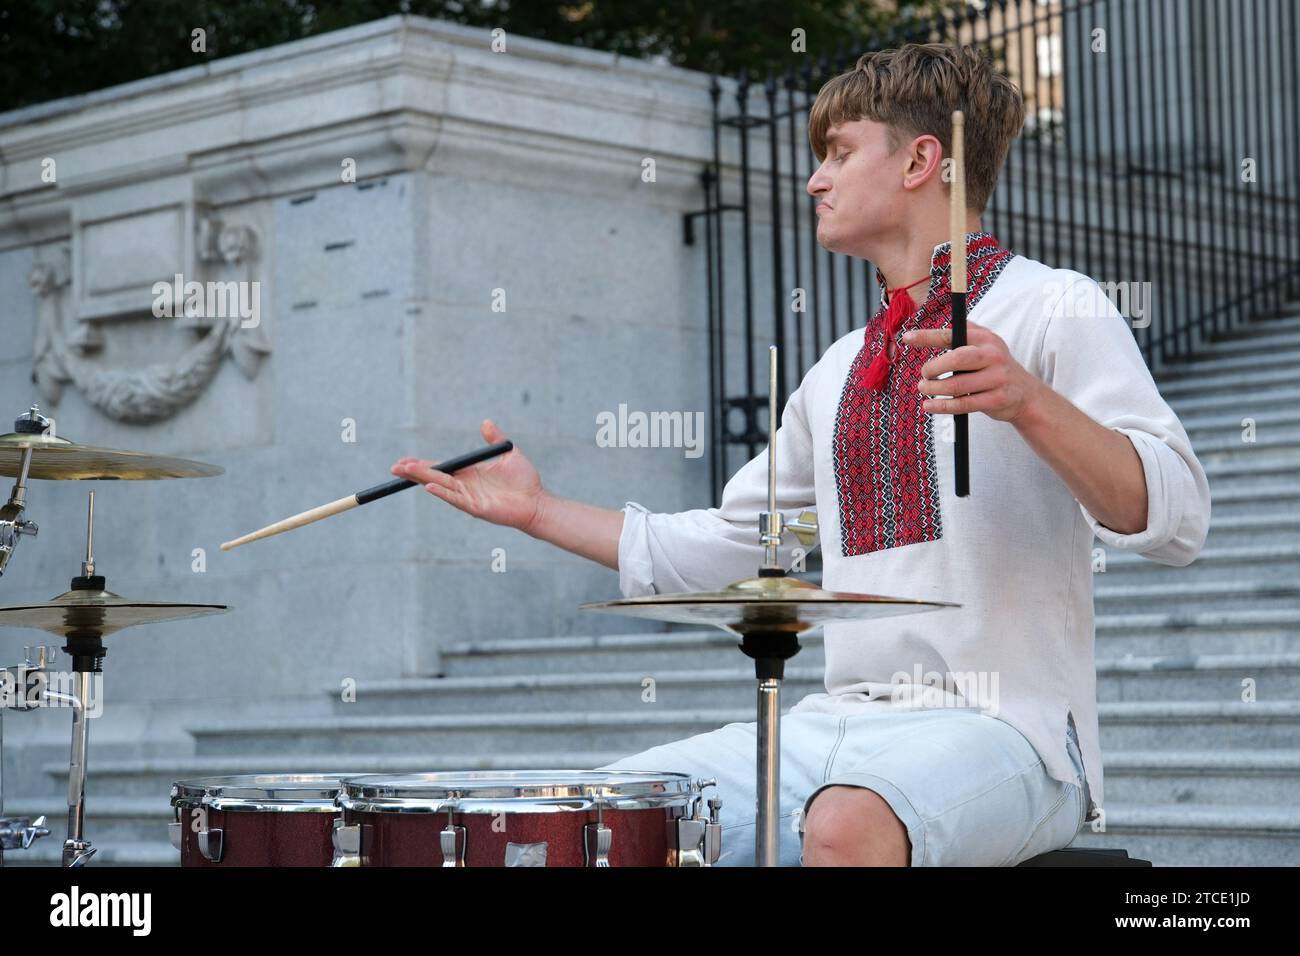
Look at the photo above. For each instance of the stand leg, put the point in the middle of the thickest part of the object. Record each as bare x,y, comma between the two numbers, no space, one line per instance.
766,838
77,850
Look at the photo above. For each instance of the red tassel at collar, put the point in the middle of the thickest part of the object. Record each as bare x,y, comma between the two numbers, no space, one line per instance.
901,308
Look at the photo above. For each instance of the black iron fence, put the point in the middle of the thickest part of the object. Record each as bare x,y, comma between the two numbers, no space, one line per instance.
1154,158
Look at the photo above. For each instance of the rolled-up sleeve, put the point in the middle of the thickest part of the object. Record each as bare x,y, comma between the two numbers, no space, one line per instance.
1089,356
708,548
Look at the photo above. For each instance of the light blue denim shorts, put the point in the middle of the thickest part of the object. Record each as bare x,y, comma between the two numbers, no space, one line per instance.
969,787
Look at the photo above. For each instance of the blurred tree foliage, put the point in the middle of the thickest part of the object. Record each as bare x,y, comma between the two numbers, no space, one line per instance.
55,48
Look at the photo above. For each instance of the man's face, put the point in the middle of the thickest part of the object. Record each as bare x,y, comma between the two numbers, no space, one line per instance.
857,187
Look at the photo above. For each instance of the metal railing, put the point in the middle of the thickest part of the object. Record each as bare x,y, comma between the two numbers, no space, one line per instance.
1153,158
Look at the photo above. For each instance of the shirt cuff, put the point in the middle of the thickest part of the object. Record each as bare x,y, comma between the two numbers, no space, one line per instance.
635,568
1163,469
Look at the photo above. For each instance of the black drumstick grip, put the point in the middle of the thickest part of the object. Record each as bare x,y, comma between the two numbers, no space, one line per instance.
448,466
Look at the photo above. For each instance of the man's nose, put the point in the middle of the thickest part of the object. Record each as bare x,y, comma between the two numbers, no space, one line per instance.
818,182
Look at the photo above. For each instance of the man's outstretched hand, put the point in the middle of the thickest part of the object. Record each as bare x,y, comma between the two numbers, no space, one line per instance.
505,490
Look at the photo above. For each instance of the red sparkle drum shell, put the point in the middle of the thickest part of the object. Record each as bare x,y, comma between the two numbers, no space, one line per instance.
263,819
536,817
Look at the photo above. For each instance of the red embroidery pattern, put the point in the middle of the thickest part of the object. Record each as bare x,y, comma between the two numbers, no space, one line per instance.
885,470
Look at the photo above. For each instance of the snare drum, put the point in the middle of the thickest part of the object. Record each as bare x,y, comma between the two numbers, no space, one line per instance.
527,818
256,819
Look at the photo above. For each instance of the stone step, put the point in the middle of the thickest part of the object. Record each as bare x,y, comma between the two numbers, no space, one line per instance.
1277,332
1167,634
1245,355
1124,725
681,688
1115,595
1287,320
1267,496
1266,416
1257,529
1211,677
1278,395
48,852
1223,382
627,733
140,778
1185,725
1254,468
1226,444
1273,563
1200,835
1260,776
1179,678
1218,777
650,652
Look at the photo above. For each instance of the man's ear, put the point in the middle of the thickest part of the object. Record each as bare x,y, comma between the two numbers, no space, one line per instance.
924,158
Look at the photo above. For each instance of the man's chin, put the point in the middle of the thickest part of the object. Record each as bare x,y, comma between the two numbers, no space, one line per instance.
830,243
839,243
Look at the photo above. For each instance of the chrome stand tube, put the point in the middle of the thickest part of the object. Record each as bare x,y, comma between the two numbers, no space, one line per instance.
76,849
766,837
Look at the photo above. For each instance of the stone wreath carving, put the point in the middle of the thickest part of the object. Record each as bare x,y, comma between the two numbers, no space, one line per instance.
153,392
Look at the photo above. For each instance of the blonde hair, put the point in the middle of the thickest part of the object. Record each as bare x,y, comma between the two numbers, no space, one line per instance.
913,90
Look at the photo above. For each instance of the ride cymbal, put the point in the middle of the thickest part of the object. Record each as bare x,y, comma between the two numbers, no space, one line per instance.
58,458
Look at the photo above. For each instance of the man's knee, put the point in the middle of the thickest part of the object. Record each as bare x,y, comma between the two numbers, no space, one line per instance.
854,826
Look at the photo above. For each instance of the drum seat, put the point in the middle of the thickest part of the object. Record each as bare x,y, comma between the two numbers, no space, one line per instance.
1081,856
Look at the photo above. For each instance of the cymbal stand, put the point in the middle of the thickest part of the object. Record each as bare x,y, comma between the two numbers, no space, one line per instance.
86,647
770,648
12,525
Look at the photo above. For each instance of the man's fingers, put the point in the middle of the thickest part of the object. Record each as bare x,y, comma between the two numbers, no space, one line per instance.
968,384
968,358
963,404
942,338
422,471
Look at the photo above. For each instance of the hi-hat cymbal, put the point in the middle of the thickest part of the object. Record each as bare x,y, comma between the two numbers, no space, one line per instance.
58,458
101,611
766,604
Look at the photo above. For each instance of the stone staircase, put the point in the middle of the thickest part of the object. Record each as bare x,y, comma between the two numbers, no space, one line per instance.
1194,775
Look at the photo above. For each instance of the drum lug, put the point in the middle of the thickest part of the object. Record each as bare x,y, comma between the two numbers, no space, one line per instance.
347,844
690,841
176,834
597,839
447,840
210,844
699,841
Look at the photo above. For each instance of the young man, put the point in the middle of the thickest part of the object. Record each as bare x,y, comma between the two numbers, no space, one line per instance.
965,736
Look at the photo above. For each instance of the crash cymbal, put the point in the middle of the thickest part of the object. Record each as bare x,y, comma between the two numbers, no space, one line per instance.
100,611
58,458
766,604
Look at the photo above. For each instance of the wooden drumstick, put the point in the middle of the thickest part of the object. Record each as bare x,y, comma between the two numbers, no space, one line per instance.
368,495
961,433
